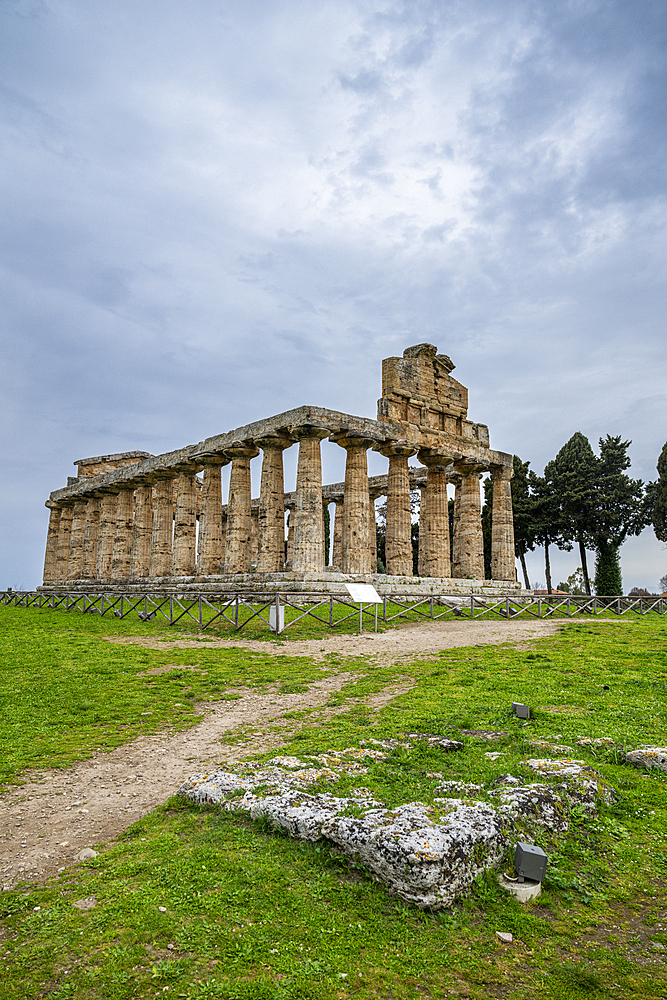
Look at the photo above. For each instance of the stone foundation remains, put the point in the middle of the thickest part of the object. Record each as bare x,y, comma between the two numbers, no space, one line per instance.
151,521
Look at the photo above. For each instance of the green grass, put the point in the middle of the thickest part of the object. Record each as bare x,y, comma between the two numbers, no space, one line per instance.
252,914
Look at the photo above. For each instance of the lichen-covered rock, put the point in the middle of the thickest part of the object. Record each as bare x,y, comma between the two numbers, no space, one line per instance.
581,783
441,742
428,855
458,789
595,741
648,757
534,804
304,816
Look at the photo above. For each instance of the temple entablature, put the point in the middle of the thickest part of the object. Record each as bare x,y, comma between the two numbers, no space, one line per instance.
138,516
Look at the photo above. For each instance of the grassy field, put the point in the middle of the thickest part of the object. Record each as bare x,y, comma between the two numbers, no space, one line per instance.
191,903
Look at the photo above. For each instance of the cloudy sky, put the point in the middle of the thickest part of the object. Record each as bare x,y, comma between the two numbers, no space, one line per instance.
217,210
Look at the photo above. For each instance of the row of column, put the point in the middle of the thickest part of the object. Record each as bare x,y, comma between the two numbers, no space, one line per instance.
137,532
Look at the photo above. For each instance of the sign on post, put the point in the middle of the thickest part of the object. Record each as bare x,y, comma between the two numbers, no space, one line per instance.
364,593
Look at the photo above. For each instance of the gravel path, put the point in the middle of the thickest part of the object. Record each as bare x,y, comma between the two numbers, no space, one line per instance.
58,812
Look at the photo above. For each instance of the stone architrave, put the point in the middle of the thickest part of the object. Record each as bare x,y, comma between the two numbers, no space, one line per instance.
163,527
356,513
470,538
239,519
503,565
142,531
211,542
51,554
271,515
75,561
434,544
456,538
398,538
308,552
337,554
91,533
185,523
122,545
106,536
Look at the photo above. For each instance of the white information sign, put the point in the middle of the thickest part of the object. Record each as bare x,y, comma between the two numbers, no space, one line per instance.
364,593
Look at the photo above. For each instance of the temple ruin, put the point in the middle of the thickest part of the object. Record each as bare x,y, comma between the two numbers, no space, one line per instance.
158,522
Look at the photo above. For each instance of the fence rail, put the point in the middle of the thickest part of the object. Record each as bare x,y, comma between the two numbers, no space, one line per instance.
332,610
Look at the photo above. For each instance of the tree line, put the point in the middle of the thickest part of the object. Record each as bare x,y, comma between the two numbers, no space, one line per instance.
586,501
581,500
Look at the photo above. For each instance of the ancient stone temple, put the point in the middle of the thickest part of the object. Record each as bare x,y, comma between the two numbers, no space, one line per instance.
143,521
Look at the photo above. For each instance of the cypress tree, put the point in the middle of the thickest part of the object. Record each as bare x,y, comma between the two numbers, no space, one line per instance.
660,498
573,474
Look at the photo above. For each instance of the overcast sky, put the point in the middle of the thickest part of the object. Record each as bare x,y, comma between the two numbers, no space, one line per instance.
217,210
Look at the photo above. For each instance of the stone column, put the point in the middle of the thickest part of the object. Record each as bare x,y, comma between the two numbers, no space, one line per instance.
503,566
434,546
239,526
271,517
337,553
142,530
163,527
470,543
254,537
75,559
356,519
107,533
290,536
211,544
456,540
122,545
185,522
422,529
398,539
372,532
91,532
308,552
64,532
51,553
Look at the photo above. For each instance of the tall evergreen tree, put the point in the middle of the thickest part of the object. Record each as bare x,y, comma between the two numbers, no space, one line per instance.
622,508
523,505
573,474
548,524
660,498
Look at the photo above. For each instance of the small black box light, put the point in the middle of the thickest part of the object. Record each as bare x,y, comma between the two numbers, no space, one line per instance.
521,711
530,862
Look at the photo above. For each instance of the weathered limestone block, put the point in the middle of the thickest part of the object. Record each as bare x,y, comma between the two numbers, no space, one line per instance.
308,552
356,544
648,757
536,805
470,540
434,543
211,543
581,784
163,527
75,561
51,553
122,546
142,531
503,565
91,534
185,523
271,515
106,536
238,556
398,540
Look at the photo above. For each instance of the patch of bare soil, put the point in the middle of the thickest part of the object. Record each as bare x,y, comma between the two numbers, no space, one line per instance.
58,812
406,641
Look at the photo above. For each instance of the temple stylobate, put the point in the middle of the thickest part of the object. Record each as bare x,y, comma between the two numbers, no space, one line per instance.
159,521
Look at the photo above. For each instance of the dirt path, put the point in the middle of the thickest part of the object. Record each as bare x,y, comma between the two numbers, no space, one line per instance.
58,812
